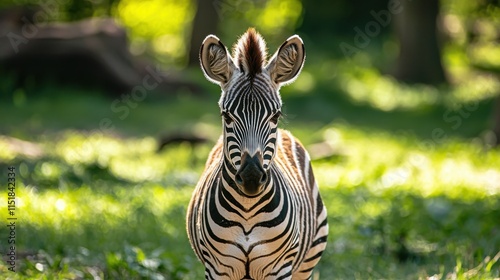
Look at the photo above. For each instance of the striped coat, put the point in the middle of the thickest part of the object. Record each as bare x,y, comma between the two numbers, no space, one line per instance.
256,212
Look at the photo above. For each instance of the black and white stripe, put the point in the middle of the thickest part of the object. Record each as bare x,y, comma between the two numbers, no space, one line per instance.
279,230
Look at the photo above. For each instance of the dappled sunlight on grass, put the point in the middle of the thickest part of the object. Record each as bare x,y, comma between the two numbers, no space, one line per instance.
476,89
394,195
10,148
5,152
69,210
135,160
451,169
124,202
80,148
368,86
393,201
104,223
384,92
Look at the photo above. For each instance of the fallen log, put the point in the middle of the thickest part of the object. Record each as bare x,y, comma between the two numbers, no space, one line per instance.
92,53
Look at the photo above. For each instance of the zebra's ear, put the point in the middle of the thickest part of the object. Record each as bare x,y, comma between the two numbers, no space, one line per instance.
215,61
285,65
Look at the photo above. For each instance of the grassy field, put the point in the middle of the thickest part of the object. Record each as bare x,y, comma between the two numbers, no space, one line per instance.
408,174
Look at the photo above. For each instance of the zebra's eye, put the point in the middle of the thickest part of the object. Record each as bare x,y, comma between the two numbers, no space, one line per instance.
276,117
227,118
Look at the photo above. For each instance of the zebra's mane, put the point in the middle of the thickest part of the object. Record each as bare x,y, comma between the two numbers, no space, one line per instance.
250,53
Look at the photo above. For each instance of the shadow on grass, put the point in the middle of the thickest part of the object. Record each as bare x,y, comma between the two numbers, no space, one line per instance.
387,235
129,235
383,235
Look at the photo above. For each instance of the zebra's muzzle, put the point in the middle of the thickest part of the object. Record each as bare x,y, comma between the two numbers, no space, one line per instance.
251,175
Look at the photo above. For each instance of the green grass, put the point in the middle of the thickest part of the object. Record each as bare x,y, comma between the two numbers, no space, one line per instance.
100,205
412,188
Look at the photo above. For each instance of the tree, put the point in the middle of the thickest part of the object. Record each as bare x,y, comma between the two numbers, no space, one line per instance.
204,23
496,122
419,58
91,53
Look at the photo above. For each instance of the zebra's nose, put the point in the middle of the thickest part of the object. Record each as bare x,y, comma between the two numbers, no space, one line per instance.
251,175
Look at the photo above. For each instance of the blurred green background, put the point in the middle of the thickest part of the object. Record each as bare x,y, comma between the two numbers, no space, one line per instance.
108,124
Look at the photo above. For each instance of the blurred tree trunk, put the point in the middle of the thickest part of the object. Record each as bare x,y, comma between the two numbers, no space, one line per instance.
496,122
92,53
419,58
204,23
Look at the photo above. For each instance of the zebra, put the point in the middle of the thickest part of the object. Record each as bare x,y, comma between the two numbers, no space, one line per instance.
256,212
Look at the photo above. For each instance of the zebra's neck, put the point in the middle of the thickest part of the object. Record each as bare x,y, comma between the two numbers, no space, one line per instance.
232,192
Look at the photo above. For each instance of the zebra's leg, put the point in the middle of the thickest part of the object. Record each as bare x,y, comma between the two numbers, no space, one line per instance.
317,247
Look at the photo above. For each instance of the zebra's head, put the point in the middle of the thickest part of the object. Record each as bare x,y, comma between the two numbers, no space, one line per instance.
250,103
